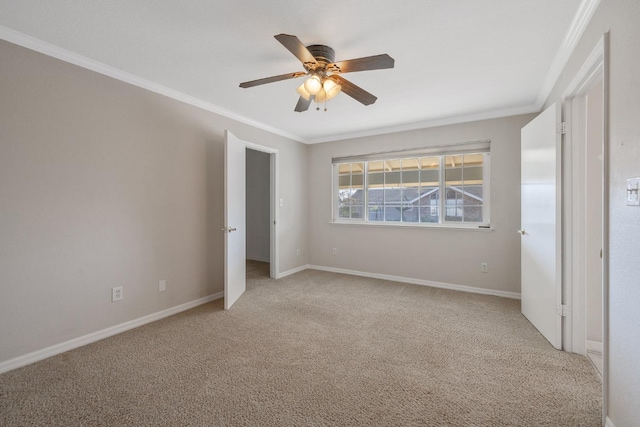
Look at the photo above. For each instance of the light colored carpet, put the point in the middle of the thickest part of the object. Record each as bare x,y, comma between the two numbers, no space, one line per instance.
316,349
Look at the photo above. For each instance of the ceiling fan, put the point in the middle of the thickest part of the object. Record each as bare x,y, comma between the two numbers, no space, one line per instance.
324,80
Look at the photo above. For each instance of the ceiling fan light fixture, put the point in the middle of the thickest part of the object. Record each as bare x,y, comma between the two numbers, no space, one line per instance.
331,87
303,92
321,96
313,85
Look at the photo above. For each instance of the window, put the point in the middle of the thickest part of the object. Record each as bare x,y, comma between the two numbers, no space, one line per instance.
433,186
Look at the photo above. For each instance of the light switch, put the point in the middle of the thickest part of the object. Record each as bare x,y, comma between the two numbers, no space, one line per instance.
633,198
281,202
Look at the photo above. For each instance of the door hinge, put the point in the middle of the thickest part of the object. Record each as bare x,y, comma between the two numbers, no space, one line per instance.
561,128
563,310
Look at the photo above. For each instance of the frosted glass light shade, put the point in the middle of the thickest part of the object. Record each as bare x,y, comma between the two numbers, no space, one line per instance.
331,87
313,85
303,92
321,96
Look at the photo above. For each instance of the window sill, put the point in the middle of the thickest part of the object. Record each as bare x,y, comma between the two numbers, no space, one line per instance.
474,227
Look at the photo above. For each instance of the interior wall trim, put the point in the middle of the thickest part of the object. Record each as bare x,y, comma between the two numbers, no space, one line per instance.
574,33
292,271
421,282
56,349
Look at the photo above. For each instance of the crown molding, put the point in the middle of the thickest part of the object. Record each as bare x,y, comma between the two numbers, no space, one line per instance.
57,52
487,115
576,29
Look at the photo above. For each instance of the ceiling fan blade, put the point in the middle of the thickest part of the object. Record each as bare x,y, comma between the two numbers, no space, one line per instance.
295,46
266,80
303,104
355,92
377,62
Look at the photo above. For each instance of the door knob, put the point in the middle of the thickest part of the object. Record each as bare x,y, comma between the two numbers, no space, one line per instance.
522,232
230,229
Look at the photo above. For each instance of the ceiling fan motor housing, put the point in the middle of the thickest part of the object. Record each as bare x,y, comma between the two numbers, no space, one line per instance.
324,54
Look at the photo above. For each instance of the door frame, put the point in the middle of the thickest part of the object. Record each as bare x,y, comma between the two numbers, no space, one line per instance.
274,195
595,68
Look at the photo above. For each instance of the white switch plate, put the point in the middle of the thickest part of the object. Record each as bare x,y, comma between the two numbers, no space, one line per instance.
162,285
281,202
633,198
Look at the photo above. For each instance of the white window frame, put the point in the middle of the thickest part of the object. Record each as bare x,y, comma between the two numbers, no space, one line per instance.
474,147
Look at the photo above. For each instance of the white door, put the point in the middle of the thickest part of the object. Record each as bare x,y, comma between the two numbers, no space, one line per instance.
540,225
234,219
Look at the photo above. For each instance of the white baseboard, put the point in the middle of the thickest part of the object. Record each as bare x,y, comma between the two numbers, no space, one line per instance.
609,423
594,347
292,271
259,259
462,288
38,355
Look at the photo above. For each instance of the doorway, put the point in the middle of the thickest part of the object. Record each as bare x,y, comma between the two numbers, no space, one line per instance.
258,202
235,242
586,205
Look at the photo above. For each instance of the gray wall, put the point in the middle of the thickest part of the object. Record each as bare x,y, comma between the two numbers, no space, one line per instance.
622,19
441,255
104,184
258,205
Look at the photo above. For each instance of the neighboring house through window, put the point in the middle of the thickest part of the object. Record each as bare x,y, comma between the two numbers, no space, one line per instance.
431,186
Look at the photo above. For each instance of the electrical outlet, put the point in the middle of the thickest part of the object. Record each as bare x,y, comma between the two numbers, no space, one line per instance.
162,285
116,294
334,251
298,252
484,267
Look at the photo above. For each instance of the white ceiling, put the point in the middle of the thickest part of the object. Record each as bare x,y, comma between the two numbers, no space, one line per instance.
455,60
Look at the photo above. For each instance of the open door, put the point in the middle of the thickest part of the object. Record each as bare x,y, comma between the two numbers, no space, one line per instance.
234,219
541,280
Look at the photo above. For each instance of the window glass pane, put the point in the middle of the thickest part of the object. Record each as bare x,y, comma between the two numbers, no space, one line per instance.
344,200
344,181
410,214
410,178
430,163
430,177
453,213
453,176
375,179
453,161
392,213
391,178
410,164
454,196
473,159
350,190
375,196
429,214
411,195
392,165
429,196
473,213
472,175
376,166
356,211
473,194
392,195
376,213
